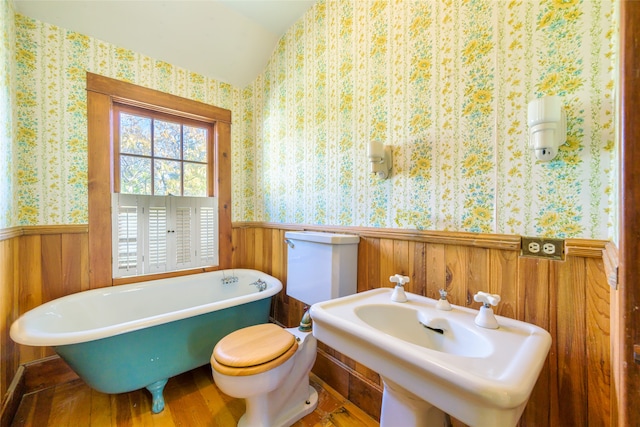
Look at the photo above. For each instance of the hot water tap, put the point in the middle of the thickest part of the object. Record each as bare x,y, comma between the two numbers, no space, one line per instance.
398,292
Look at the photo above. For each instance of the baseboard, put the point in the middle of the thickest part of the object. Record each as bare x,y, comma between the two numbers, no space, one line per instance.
13,397
349,383
31,377
47,372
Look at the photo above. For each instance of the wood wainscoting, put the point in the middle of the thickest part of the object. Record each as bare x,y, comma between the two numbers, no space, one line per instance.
37,264
569,298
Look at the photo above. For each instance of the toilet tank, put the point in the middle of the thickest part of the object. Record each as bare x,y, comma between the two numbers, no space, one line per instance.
321,266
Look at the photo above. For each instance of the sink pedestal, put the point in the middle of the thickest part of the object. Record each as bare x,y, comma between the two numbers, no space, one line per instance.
402,408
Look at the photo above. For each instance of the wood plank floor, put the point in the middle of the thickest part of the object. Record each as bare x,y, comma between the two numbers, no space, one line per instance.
191,399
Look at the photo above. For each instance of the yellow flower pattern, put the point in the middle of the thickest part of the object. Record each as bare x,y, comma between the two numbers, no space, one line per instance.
444,82
50,169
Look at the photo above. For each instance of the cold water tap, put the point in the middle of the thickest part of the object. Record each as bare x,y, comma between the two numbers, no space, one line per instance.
485,317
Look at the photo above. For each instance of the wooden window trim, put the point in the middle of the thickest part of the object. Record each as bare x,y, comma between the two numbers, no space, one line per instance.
102,93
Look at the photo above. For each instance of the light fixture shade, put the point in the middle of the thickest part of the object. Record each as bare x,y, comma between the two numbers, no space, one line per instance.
547,126
376,151
380,158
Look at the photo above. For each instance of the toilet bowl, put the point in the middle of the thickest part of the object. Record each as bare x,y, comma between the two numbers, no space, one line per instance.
269,367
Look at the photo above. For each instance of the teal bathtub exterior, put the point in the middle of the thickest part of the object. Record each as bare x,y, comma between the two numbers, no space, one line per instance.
148,357
153,341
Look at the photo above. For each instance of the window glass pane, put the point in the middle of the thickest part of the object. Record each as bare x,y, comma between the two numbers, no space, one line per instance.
195,144
195,180
135,175
166,139
166,178
135,134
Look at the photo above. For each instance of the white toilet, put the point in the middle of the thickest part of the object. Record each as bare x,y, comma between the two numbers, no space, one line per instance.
269,366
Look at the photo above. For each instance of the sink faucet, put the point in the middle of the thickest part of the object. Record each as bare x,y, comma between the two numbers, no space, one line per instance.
398,293
485,317
442,303
260,284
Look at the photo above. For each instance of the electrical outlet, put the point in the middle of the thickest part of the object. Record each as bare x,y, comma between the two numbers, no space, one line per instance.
549,248
534,247
541,247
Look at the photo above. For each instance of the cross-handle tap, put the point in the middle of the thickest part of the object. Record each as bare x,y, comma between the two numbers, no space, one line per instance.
398,293
399,279
487,299
485,317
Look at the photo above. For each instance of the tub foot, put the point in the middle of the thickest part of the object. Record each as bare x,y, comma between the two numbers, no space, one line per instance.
156,390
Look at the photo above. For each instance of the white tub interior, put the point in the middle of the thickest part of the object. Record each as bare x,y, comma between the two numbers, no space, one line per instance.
108,311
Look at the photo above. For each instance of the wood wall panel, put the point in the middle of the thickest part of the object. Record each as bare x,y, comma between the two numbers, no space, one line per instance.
598,357
570,334
30,287
503,273
75,261
36,266
8,310
415,254
568,298
533,307
435,269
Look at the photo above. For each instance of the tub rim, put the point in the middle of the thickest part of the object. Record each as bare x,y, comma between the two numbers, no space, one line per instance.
22,333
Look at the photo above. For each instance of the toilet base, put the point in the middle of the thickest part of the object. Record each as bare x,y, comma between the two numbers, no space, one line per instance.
293,414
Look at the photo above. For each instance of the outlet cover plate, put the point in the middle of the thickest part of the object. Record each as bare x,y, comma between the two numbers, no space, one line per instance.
544,248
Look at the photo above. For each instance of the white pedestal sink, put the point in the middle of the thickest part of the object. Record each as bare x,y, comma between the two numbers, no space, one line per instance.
434,362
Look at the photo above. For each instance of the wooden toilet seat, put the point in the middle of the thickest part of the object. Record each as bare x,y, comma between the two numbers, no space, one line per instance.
253,350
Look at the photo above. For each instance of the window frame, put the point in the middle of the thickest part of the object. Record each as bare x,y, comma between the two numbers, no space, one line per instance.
102,94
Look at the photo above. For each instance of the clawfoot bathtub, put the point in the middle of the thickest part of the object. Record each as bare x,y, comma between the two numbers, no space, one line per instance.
124,338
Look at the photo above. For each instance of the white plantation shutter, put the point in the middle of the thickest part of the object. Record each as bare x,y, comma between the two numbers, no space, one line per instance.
157,237
127,257
183,231
157,234
156,242
208,230
128,237
183,235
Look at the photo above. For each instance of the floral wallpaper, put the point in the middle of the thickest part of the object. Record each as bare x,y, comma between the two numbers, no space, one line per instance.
51,66
444,82
6,113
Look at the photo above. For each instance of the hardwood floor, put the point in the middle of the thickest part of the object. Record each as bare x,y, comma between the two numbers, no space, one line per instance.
191,399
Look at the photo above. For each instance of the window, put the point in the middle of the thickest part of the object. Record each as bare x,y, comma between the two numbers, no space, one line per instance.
162,218
161,154
106,98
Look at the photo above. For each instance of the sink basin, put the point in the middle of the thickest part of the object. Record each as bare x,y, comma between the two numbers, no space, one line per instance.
442,359
425,328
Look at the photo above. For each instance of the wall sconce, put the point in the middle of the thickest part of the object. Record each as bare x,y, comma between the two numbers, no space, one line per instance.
547,126
381,159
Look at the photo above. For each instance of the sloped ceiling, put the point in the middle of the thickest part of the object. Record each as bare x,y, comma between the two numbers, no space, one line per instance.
228,40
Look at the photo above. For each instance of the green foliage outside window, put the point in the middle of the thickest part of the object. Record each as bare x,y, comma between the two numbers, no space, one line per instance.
160,157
